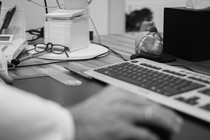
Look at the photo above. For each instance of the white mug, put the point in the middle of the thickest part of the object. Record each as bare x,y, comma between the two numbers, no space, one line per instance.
76,4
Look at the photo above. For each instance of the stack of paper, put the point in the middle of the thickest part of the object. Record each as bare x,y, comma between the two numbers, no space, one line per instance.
68,27
66,14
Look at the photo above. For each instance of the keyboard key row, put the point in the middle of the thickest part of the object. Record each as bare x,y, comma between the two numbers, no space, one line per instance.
150,79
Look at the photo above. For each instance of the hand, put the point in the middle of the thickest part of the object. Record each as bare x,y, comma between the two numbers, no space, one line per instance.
115,114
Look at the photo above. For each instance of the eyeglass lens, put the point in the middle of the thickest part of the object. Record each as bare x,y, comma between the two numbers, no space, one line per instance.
55,48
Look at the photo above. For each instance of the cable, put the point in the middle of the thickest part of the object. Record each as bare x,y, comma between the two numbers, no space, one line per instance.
42,5
190,69
116,53
99,38
37,33
45,3
58,4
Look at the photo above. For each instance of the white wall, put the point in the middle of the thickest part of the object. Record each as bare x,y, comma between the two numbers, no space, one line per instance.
99,14
33,13
108,15
99,11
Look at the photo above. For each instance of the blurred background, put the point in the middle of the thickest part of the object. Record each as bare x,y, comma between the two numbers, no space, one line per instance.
109,16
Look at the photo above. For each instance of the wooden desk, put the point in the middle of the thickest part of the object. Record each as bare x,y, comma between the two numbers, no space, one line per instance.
46,87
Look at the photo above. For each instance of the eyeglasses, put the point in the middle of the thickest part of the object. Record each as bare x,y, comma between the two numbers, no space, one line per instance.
50,47
40,48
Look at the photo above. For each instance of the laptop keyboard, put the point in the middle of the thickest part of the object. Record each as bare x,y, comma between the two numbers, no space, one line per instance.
180,89
144,76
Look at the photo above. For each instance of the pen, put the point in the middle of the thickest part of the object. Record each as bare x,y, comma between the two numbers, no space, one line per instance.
8,18
77,72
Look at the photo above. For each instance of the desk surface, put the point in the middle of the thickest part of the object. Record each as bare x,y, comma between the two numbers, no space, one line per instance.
33,80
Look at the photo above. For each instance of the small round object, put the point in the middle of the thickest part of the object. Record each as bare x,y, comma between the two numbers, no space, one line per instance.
73,82
15,61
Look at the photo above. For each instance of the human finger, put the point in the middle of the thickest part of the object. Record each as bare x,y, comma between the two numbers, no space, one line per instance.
154,116
144,110
139,133
163,118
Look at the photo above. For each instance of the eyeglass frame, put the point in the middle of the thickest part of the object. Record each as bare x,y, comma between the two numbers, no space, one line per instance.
51,48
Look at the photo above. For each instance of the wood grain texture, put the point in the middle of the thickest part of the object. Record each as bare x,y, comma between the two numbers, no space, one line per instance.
121,43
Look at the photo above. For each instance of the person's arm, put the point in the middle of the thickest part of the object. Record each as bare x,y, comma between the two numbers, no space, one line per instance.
116,114
112,114
25,116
